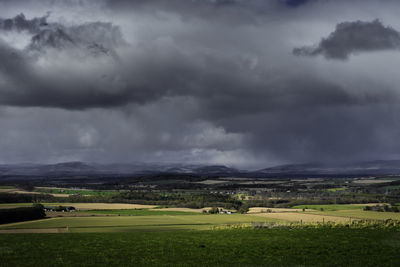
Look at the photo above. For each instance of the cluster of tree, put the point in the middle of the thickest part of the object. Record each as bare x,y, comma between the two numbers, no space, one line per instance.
244,209
290,202
213,210
382,208
181,185
22,214
28,198
168,176
187,200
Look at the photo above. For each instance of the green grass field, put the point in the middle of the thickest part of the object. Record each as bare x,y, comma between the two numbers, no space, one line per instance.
336,189
81,192
147,219
246,247
140,212
350,211
393,187
134,223
143,237
7,187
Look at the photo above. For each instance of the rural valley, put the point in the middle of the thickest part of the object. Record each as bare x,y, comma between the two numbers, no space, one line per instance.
166,217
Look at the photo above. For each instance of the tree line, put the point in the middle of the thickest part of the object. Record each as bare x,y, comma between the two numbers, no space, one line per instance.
22,214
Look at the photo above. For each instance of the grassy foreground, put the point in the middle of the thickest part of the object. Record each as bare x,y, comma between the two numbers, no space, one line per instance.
241,247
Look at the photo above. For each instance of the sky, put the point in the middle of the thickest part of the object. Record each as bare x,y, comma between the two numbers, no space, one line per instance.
244,83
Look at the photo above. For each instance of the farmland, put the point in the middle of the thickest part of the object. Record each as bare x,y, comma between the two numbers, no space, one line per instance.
303,217
84,206
133,223
140,212
101,234
336,189
325,213
6,187
154,236
165,221
360,214
98,217
330,207
66,191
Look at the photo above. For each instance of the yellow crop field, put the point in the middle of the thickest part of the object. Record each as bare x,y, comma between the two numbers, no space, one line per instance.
183,209
19,191
107,206
304,217
360,214
264,209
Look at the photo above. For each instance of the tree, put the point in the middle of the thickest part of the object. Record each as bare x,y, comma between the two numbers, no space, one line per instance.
243,209
38,206
214,210
386,208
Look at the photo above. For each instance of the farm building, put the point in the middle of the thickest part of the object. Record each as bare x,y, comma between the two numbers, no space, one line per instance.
59,208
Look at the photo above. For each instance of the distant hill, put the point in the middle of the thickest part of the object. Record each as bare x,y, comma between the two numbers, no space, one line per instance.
73,169
215,169
378,167
81,168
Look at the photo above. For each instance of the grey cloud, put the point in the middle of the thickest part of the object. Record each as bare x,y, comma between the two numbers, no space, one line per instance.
231,12
20,23
95,36
226,88
352,38
147,76
226,83
193,81
295,3
29,85
327,134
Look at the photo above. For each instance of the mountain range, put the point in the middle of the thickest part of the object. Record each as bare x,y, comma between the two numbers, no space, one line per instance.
378,167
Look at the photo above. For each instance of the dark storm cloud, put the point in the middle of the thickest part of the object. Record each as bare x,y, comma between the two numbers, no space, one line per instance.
147,76
352,38
215,3
211,81
94,35
225,85
26,86
235,12
20,23
296,3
